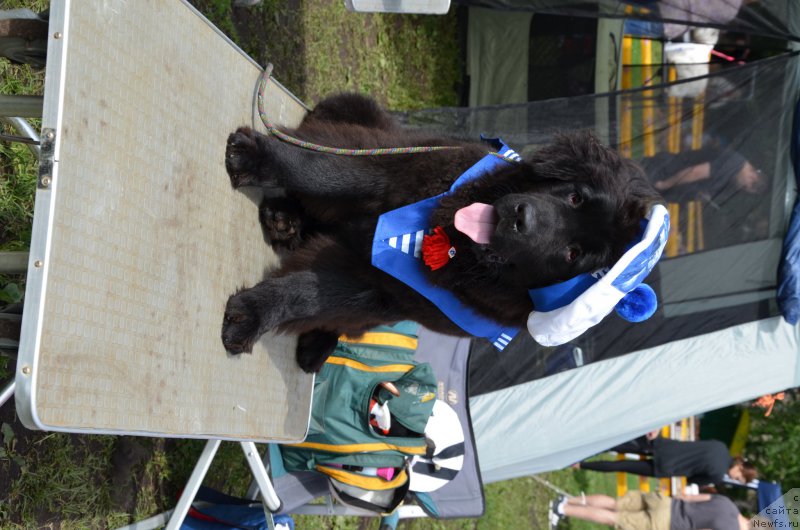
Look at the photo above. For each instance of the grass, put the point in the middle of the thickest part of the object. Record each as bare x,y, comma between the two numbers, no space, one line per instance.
18,177
18,165
388,56
18,173
69,492
519,504
318,47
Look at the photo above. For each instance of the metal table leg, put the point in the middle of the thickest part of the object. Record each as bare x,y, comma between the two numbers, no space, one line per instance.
194,483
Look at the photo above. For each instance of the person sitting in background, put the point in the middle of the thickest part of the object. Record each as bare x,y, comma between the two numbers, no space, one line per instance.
651,511
702,462
711,174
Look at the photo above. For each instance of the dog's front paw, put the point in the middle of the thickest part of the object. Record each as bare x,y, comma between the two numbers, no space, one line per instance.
314,347
241,157
240,326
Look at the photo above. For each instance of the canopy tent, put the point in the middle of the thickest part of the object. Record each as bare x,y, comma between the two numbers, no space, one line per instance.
773,18
720,335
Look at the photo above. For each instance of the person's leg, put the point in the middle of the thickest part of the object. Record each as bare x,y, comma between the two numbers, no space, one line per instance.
597,501
639,446
593,514
594,508
637,467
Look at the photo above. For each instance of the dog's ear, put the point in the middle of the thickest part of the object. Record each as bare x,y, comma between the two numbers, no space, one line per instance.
640,193
581,156
577,156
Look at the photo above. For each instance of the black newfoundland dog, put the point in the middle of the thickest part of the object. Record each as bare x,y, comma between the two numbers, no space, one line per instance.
571,208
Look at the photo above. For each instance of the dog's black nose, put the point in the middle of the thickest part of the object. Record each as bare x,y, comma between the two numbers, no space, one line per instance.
523,221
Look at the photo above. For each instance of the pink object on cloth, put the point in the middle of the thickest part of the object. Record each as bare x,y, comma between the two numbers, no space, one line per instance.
386,473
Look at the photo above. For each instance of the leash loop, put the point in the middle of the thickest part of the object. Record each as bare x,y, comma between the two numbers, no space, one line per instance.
262,84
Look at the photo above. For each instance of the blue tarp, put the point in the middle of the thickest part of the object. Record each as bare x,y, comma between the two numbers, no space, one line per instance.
223,512
770,504
789,270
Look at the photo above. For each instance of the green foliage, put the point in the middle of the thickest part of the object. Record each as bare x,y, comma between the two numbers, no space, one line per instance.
18,165
774,441
150,496
218,12
273,32
511,504
8,449
37,6
10,294
5,371
228,473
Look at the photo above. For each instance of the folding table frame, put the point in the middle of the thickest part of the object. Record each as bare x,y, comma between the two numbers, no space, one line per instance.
138,239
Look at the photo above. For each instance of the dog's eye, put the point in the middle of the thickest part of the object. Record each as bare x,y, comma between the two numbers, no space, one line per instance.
572,254
575,199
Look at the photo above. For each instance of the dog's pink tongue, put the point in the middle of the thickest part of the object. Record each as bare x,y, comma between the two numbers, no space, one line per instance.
477,221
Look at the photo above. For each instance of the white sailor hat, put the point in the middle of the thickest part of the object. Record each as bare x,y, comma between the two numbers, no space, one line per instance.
565,310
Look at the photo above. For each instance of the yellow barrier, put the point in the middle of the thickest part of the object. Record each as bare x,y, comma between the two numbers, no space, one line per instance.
648,110
626,120
673,117
644,482
665,484
740,435
674,239
698,115
622,480
691,224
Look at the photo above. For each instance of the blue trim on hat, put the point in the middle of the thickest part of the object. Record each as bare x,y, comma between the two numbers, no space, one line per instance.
644,262
561,294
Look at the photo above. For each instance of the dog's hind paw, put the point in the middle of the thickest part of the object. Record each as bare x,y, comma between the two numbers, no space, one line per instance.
241,157
282,222
240,326
314,347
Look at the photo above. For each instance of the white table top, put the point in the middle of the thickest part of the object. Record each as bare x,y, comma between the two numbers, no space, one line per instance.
139,238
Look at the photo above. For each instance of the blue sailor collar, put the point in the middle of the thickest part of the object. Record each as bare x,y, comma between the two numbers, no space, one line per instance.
397,250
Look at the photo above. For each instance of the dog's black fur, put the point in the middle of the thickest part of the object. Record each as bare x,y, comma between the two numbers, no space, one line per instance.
571,208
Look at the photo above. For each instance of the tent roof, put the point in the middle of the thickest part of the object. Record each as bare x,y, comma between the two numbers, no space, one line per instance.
553,422
775,18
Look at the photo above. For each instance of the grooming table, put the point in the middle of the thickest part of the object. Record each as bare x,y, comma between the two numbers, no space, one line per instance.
139,239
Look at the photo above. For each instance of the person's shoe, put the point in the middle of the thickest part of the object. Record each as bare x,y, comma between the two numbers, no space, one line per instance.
552,517
555,512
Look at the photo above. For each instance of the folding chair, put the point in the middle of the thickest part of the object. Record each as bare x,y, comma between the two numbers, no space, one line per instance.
459,498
